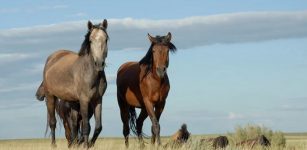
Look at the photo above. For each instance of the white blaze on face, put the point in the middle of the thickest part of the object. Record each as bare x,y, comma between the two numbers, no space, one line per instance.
99,47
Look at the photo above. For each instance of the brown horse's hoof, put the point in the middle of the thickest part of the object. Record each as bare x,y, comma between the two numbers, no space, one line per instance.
91,144
127,143
142,145
85,145
53,145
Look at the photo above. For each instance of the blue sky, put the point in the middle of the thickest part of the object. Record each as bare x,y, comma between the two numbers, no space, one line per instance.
238,62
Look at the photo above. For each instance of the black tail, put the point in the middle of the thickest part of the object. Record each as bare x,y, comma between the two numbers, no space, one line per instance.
40,93
132,120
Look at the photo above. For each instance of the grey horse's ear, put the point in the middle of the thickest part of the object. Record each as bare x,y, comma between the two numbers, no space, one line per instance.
105,23
151,39
89,25
168,37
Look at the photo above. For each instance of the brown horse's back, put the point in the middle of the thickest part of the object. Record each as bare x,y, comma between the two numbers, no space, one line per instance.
59,66
128,88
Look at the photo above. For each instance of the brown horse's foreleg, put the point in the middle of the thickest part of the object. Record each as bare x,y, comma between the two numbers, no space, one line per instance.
155,128
85,121
52,120
139,124
124,114
98,126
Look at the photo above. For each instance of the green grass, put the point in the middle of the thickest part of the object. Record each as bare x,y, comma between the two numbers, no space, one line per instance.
294,141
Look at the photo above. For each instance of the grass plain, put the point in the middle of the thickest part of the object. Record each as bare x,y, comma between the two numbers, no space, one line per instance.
294,141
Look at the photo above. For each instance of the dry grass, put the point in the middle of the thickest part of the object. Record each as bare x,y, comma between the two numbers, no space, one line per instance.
293,142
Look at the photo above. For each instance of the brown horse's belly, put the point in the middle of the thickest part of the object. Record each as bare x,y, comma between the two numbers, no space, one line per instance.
132,99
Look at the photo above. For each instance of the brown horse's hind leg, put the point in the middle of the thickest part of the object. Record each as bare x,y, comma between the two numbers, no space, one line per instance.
51,100
67,133
139,125
126,130
73,125
124,114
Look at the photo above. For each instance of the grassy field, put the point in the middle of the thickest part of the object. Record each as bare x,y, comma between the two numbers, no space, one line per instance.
294,141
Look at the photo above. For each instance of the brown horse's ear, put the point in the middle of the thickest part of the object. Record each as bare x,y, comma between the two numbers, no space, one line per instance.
89,25
151,39
168,37
105,23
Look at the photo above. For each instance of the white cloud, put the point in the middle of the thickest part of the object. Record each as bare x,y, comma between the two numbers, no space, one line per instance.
35,69
187,32
12,57
235,116
32,9
80,14
60,6
19,87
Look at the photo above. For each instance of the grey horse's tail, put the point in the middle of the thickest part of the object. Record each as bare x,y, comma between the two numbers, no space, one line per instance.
40,93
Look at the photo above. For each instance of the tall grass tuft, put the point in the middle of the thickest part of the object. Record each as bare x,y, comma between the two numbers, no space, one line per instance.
249,131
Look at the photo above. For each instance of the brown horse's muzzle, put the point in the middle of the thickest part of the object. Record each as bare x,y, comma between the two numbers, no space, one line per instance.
161,71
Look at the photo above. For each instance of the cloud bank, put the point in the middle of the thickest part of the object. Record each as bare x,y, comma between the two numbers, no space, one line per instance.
129,33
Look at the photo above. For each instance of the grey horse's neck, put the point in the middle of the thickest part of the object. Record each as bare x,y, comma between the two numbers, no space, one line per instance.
86,68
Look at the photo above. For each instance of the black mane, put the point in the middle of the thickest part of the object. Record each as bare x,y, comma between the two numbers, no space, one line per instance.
85,47
148,58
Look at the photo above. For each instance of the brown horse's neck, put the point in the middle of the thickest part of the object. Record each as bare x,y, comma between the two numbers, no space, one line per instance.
152,73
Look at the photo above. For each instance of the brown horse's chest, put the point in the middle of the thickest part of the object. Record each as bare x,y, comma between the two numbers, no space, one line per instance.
152,91
155,96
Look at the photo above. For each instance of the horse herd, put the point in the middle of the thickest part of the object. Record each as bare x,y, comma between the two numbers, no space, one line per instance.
74,84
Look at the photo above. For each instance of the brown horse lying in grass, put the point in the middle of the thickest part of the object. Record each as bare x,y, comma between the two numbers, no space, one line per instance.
218,142
182,135
69,113
179,138
251,143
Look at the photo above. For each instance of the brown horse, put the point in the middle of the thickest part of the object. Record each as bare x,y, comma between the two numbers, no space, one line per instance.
182,135
145,85
220,142
78,77
179,138
251,143
69,113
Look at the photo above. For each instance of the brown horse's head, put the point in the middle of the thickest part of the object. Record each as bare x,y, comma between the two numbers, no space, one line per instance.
95,43
157,57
